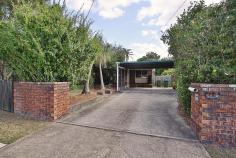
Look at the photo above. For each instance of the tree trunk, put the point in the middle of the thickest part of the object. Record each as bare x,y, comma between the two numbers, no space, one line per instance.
84,88
87,89
101,77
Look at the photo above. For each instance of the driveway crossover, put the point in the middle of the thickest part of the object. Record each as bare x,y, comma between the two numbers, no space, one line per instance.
138,123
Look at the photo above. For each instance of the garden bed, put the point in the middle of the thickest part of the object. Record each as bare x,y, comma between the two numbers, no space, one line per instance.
13,127
77,98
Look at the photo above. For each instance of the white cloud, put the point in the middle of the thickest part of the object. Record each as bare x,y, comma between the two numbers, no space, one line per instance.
111,13
108,9
160,12
113,9
140,49
77,4
151,33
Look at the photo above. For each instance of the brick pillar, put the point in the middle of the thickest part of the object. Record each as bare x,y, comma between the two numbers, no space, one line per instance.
41,100
213,112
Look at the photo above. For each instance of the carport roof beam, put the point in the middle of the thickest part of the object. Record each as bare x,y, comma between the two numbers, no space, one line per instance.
147,64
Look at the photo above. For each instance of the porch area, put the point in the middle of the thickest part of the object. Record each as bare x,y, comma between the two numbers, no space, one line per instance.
139,74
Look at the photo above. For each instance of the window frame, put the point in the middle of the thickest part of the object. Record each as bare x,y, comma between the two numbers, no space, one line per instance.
143,73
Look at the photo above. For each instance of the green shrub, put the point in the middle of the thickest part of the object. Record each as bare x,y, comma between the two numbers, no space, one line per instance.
41,43
202,43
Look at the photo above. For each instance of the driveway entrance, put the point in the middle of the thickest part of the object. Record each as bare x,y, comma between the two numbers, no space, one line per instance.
148,111
138,123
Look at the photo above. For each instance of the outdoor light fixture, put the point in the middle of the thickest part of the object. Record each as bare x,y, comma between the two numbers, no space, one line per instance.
193,90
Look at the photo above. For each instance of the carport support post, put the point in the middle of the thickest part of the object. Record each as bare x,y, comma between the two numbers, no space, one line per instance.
127,78
117,76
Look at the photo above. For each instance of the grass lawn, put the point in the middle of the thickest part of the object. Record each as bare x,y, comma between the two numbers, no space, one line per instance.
13,127
216,152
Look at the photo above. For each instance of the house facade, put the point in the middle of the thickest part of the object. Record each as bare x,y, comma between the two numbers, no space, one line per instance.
139,74
141,77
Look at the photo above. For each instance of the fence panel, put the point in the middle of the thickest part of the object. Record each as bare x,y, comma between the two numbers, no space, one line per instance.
6,95
164,81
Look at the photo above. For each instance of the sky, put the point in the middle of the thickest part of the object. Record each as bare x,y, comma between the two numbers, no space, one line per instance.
134,24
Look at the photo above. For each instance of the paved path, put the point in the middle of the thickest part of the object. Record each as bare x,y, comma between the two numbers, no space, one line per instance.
139,123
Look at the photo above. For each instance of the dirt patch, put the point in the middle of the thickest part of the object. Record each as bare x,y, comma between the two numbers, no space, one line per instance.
78,98
13,127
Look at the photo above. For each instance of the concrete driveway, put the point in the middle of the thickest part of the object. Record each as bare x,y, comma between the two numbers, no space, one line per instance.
143,111
138,123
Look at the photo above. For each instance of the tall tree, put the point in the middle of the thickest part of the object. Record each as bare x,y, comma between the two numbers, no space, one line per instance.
96,44
6,6
103,56
117,54
150,56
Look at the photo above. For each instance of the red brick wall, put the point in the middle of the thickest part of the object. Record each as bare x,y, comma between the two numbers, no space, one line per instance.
213,112
44,101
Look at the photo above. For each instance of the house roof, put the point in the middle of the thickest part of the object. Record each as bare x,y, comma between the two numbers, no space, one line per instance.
147,64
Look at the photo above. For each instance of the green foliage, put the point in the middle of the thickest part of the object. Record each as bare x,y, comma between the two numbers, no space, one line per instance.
6,6
159,71
150,56
202,43
170,72
41,43
104,50
117,54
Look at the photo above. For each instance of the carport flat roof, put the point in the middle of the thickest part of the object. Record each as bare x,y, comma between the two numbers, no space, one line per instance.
147,64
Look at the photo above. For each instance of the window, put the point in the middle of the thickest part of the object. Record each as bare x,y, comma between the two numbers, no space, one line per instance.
141,73
138,73
144,73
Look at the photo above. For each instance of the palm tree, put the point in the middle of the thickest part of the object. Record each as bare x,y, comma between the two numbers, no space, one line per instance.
124,53
103,57
127,53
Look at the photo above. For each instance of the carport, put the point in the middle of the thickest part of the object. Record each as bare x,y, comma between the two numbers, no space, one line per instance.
139,74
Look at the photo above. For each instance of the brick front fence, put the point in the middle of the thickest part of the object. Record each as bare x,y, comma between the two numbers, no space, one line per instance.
213,112
41,100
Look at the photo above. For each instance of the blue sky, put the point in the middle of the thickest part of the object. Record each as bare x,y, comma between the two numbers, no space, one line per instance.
134,24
